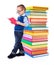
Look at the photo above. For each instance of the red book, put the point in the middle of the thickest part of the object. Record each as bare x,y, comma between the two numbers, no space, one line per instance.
13,20
37,19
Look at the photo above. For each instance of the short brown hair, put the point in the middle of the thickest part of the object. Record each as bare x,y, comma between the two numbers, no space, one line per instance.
22,6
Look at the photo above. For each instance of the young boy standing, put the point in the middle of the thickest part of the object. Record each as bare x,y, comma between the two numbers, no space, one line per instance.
21,22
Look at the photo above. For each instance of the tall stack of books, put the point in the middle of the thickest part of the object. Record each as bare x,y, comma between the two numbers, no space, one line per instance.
35,38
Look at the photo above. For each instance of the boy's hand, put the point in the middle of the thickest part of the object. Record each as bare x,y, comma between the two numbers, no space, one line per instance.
18,22
13,21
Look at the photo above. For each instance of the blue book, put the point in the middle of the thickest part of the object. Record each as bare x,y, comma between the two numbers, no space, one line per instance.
36,28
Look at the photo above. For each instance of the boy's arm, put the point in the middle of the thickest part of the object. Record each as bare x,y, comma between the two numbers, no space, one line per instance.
19,23
26,22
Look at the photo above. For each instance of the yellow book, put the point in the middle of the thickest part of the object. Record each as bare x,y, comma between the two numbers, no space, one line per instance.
32,47
38,8
34,34
37,16
37,32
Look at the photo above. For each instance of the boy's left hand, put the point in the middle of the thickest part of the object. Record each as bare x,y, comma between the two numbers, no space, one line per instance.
13,21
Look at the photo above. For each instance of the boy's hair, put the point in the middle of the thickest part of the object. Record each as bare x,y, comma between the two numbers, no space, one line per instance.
22,6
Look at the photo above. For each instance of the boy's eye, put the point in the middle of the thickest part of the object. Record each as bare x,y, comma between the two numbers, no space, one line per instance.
19,11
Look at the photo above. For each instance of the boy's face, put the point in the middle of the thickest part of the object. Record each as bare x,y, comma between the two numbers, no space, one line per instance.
20,10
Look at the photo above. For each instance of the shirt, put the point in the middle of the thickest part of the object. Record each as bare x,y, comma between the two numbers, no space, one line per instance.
26,22
23,19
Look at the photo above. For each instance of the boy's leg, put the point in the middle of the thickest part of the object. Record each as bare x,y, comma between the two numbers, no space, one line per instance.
13,53
18,44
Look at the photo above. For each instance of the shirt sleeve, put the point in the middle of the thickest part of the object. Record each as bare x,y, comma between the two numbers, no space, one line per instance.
26,22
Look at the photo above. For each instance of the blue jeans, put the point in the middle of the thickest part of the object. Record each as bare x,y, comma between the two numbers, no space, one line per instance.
18,44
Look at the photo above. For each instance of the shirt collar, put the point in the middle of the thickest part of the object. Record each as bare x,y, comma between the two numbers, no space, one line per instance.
23,14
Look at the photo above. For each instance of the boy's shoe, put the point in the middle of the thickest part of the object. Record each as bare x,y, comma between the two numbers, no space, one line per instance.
11,56
20,54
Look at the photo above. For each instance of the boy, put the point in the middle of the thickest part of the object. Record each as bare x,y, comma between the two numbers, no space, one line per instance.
21,22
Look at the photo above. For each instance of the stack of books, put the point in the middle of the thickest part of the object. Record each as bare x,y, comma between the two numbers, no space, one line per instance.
35,38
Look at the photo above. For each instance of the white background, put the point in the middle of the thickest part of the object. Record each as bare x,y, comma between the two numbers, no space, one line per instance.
8,9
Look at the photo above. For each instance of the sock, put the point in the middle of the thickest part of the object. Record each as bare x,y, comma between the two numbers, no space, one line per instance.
13,53
21,52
